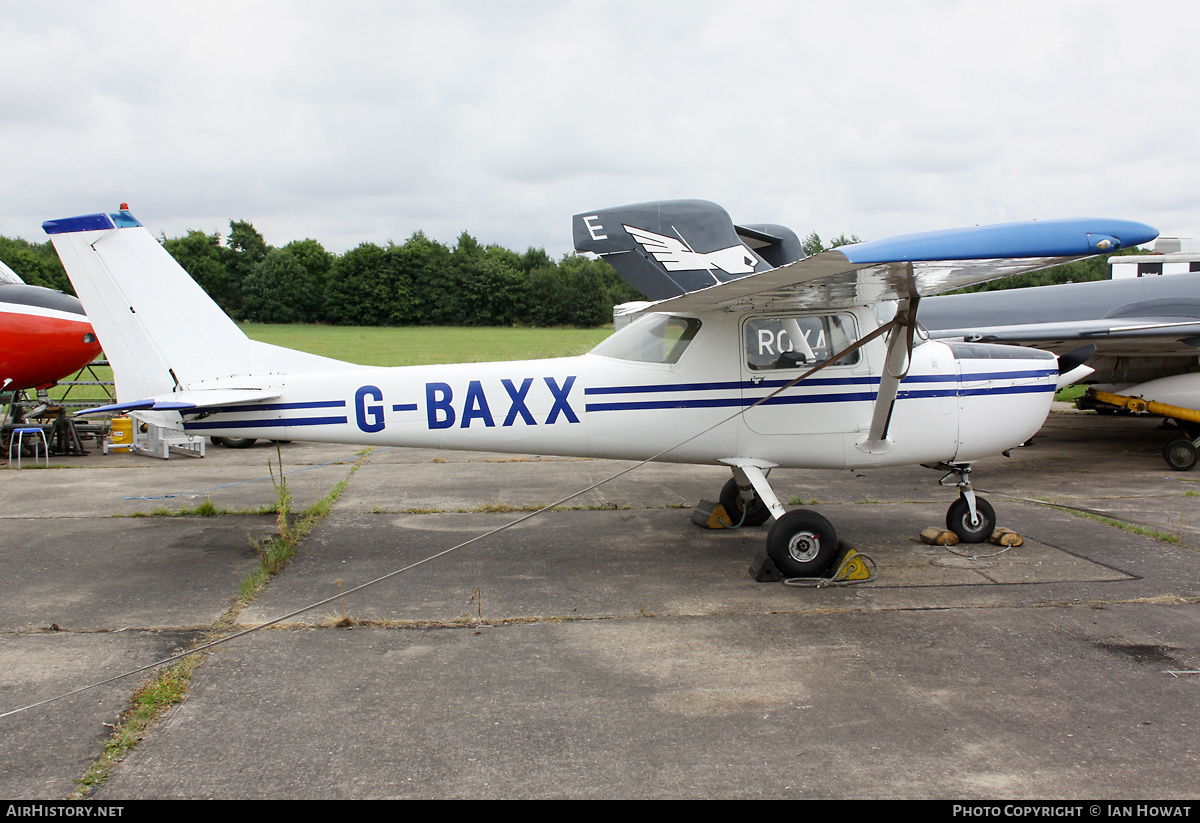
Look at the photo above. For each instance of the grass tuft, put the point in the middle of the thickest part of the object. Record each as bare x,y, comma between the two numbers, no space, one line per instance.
148,701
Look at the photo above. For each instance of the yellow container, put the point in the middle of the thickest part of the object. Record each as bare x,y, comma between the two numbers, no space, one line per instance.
121,437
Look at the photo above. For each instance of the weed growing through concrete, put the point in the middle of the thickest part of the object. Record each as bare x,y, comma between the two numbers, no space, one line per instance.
340,619
1132,528
147,703
169,686
283,501
205,509
290,528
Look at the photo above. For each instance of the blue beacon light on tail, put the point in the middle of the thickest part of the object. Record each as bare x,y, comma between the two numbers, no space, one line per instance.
93,222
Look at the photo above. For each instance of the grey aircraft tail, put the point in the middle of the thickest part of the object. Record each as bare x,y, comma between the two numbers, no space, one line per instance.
666,248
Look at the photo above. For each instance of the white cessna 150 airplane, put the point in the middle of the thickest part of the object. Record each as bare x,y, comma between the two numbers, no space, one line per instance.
750,360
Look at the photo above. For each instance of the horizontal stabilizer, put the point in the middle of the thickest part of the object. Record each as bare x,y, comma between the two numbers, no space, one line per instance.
776,244
666,248
184,401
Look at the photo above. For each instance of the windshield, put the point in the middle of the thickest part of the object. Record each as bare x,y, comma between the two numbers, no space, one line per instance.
655,338
7,275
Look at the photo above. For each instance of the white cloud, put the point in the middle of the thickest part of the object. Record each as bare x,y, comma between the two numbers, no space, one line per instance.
366,121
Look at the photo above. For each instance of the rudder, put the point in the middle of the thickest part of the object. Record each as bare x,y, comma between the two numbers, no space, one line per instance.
160,331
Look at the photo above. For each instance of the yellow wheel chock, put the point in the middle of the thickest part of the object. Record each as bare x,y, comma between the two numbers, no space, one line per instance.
710,515
851,566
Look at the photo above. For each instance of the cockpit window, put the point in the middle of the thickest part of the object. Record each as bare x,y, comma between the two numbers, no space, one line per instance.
798,342
7,275
655,338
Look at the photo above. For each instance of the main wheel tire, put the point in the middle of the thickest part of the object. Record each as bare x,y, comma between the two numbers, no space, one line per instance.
958,520
239,442
731,501
802,543
1180,454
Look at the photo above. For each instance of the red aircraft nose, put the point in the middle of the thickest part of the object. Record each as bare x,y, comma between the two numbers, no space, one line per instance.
44,337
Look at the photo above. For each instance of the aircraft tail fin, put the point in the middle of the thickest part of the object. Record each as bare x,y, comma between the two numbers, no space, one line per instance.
160,331
666,248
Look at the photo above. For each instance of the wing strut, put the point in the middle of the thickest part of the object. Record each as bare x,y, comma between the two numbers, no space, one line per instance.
895,369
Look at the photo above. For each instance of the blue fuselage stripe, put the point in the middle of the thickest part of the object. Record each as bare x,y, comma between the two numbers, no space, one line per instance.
744,385
801,399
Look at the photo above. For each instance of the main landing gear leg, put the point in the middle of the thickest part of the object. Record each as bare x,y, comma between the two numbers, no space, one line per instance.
742,502
801,543
970,517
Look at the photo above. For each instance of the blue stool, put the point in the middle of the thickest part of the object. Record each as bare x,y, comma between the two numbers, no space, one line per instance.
18,437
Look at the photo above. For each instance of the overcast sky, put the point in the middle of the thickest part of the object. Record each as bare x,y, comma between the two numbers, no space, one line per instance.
356,121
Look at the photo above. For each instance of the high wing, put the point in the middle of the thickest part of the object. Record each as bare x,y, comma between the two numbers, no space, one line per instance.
916,265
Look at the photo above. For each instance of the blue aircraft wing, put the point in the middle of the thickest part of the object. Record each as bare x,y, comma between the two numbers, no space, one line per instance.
916,265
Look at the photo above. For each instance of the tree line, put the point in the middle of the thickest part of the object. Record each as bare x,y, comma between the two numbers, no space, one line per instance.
418,282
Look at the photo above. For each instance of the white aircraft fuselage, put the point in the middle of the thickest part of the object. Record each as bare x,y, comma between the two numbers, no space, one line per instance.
813,363
957,403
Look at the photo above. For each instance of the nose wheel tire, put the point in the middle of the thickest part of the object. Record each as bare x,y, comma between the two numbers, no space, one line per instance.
731,501
802,543
958,520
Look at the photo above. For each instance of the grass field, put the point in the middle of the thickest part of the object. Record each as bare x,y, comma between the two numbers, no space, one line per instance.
406,346
423,345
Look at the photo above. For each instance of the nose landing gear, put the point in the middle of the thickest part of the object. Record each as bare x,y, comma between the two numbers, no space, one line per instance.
970,517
